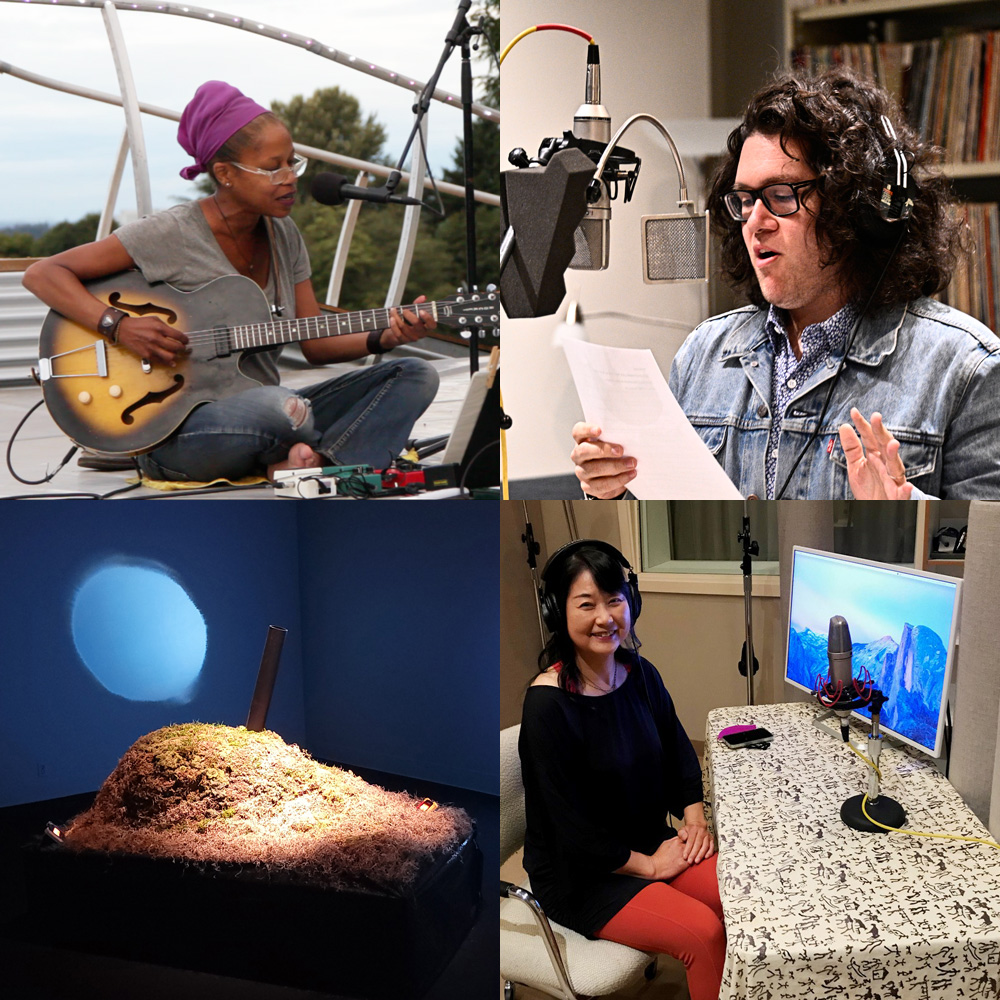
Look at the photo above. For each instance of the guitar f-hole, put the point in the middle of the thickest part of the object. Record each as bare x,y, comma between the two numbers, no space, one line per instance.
151,397
142,308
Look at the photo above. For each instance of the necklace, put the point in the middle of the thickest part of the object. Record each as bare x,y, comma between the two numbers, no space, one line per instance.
608,690
232,235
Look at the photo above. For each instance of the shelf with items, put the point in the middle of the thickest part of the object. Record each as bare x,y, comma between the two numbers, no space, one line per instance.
941,58
940,524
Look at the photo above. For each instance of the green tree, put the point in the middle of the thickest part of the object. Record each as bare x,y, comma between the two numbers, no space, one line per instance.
17,245
65,235
331,119
451,231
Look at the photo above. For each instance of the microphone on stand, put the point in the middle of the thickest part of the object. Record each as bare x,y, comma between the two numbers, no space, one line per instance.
333,189
592,123
840,656
842,693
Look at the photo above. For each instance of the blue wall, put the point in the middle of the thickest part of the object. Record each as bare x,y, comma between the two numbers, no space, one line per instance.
61,731
390,660
400,612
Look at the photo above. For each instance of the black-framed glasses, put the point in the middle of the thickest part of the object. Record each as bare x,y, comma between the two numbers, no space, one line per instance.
779,199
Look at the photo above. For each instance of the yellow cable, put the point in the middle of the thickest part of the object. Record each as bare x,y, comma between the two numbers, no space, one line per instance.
866,759
918,833
515,40
546,27
503,456
899,829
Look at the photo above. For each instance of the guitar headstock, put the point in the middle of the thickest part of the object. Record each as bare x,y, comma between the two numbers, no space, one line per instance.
466,310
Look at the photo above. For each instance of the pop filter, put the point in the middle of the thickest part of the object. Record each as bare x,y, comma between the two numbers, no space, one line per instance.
543,207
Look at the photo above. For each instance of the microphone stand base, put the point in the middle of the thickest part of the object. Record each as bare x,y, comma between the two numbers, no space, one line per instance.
883,809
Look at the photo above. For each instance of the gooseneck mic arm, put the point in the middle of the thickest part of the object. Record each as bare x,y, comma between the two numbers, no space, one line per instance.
683,199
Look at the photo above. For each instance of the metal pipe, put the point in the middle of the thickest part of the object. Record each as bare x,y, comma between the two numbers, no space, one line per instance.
349,162
266,674
256,27
130,104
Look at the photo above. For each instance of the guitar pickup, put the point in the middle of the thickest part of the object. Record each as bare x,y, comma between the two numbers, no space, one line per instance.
46,366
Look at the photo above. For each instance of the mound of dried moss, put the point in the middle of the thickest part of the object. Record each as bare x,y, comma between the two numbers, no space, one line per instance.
216,793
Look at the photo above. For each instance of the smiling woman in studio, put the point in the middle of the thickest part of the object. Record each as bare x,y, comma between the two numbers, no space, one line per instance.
604,759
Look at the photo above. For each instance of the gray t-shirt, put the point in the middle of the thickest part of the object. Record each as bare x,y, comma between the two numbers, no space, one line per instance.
179,247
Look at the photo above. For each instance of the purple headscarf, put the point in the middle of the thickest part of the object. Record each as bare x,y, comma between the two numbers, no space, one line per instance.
216,112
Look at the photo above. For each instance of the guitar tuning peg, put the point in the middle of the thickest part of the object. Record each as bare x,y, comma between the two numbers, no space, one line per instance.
491,287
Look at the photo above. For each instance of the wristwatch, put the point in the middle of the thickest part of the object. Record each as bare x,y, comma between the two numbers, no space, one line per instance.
108,323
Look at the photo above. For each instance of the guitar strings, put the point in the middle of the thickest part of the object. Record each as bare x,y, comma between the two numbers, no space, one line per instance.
322,325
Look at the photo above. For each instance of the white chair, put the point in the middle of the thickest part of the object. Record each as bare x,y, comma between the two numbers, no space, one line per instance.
535,951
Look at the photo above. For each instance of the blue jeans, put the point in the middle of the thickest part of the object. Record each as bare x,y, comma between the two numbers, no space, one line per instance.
362,418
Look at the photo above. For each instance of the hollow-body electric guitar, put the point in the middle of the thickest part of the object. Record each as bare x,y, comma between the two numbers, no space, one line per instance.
106,398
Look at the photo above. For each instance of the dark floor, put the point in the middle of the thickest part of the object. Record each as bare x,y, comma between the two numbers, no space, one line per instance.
32,971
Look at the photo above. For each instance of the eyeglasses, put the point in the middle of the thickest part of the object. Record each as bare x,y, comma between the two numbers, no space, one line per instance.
779,199
280,175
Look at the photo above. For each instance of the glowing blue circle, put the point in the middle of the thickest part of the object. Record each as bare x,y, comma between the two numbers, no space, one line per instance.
139,633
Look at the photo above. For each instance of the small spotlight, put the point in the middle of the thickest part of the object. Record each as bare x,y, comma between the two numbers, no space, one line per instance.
55,832
427,805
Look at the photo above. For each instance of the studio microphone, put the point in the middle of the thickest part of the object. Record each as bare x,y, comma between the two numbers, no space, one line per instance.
840,657
333,189
592,238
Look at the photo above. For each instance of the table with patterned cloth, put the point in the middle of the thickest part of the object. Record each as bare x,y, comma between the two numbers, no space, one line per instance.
814,909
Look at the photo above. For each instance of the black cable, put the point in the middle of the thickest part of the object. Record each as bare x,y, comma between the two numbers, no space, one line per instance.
51,475
840,367
947,738
439,211
201,491
472,461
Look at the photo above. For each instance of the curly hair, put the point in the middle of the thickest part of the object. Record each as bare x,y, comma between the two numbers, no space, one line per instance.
609,576
834,120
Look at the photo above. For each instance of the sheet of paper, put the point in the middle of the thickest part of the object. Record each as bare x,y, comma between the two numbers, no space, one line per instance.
624,392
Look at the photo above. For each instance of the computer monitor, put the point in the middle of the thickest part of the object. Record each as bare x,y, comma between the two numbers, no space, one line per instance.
904,629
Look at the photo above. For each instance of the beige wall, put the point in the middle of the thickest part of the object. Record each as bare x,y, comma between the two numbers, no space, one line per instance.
694,640
654,58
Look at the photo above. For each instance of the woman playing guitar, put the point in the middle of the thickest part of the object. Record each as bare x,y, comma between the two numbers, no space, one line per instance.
244,228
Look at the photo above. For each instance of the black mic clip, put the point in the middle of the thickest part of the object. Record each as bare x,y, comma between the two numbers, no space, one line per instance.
621,165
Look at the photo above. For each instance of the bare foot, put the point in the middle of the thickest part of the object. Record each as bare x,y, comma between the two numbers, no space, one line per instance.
300,456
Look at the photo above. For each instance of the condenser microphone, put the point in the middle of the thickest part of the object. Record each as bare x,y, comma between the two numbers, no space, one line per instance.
592,238
840,655
333,189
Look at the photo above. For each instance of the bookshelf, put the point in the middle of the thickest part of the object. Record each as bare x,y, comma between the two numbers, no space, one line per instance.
925,51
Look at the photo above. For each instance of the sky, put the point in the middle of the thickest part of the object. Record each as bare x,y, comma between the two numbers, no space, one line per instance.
59,150
874,602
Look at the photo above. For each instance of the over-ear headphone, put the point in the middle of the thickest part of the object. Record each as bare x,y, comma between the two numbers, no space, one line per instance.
896,203
553,615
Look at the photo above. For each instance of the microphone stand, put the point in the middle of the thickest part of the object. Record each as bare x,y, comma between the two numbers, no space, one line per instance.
533,549
461,33
879,807
748,661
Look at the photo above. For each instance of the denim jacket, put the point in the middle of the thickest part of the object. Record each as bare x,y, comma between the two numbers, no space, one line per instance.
930,370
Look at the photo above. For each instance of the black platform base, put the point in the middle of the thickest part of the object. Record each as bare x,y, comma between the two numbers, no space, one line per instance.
242,922
883,809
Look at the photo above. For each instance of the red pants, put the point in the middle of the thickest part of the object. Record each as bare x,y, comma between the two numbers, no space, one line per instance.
682,918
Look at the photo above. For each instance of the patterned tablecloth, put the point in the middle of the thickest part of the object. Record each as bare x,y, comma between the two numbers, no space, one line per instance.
815,909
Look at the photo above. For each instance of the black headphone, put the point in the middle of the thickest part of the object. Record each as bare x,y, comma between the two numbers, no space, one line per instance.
898,189
553,615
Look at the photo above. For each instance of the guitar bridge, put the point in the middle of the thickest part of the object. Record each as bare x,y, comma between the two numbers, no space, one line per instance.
46,367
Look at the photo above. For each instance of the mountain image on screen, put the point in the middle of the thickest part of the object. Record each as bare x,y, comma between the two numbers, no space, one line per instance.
910,673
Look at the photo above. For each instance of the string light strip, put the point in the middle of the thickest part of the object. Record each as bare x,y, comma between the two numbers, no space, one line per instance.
289,37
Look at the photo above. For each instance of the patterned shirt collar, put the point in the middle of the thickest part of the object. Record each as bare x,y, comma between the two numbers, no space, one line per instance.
817,340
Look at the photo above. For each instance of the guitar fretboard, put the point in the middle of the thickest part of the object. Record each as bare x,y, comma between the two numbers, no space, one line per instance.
289,331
